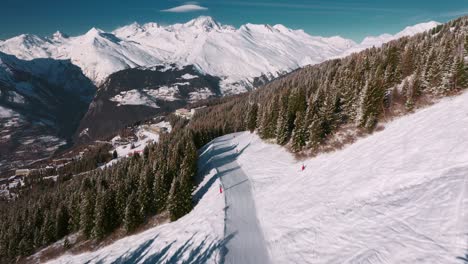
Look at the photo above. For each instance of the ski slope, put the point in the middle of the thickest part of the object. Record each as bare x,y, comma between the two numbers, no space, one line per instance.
397,196
243,235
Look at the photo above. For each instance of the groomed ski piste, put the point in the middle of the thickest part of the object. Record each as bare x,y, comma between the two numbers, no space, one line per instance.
397,196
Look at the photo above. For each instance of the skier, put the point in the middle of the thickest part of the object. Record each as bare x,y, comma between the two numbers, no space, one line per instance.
220,188
303,167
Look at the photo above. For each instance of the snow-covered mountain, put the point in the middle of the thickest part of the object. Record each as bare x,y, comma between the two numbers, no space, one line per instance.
377,41
236,55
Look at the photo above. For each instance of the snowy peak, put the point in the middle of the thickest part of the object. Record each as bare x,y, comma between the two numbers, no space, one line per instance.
377,41
407,32
418,28
205,23
237,56
59,36
93,33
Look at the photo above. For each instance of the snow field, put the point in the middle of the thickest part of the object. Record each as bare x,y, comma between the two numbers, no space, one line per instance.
398,196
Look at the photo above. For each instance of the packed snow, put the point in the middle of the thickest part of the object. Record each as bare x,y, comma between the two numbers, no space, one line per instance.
397,196
233,54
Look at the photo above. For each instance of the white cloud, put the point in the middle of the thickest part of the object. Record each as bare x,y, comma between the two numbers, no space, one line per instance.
188,7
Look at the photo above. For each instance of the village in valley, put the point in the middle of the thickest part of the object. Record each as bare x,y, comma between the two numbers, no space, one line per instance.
130,141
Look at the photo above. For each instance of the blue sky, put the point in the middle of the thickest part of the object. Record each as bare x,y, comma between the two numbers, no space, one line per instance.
351,19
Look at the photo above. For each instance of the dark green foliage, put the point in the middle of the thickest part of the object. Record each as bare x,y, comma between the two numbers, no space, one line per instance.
252,118
300,132
87,213
132,217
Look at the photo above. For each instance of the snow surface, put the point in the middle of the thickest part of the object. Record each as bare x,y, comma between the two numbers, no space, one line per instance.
6,113
397,196
244,239
235,55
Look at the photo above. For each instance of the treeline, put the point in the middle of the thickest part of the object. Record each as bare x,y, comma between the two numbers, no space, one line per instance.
96,204
305,108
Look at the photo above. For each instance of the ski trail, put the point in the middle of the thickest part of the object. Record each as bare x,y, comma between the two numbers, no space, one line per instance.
246,243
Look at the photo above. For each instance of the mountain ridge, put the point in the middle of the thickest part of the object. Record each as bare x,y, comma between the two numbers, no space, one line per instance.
236,55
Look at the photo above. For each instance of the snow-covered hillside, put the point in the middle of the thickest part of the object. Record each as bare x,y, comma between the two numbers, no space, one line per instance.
397,196
235,55
377,41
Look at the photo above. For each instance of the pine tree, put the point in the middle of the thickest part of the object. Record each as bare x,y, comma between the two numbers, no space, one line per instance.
299,134
87,214
145,193
282,128
252,117
132,214
100,217
48,230
180,198
460,74
62,222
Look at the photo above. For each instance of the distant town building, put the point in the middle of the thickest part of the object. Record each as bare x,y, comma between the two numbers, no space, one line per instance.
186,113
22,172
183,112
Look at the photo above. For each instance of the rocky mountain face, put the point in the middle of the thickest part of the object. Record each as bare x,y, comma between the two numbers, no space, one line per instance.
133,95
41,104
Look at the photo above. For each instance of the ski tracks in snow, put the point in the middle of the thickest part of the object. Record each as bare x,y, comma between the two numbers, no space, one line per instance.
244,238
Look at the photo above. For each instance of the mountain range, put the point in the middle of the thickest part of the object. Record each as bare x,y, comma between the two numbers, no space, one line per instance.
236,55
61,87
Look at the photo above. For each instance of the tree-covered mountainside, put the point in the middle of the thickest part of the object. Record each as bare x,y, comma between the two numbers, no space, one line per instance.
102,200
302,110
133,95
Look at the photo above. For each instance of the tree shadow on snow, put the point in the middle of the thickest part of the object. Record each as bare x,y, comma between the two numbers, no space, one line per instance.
136,255
202,191
192,251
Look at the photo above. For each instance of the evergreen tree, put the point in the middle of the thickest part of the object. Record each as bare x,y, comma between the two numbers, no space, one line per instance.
132,214
252,117
282,128
62,221
299,134
145,193
87,214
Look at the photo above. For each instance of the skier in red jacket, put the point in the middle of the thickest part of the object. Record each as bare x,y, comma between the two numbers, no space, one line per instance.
303,167
220,188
